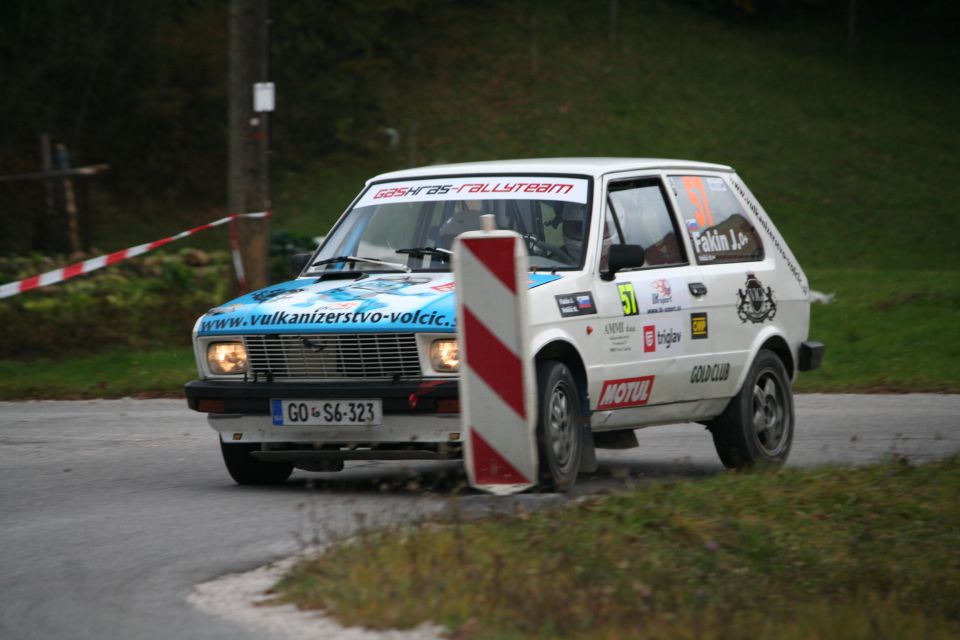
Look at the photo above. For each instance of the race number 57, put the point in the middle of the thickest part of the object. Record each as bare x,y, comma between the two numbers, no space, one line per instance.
628,299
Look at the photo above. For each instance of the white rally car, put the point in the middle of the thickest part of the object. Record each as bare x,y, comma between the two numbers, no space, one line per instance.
659,292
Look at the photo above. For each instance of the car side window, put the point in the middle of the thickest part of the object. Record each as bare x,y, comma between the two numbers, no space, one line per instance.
643,217
718,227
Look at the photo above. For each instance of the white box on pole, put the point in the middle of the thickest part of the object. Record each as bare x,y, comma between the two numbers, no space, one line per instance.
263,97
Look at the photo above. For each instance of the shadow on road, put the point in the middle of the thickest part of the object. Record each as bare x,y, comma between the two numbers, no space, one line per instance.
449,479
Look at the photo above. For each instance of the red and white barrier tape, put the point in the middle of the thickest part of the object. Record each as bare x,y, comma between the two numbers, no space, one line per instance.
79,268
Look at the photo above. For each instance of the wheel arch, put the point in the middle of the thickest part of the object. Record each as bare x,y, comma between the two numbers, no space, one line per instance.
774,341
779,346
566,353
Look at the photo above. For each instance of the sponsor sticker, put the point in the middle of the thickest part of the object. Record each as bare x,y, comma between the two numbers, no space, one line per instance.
620,334
667,338
576,304
666,295
628,299
710,373
649,338
698,326
626,392
317,318
337,306
273,294
477,188
446,287
712,242
716,184
662,292
766,225
662,339
754,303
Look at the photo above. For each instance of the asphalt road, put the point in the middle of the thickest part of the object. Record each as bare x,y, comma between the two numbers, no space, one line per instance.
112,511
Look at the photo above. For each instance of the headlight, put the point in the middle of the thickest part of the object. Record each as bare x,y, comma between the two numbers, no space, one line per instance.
445,355
227,357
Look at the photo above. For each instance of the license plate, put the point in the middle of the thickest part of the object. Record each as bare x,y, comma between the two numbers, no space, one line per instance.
354,412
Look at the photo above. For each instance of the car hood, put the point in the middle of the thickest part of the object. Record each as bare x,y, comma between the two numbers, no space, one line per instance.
421,302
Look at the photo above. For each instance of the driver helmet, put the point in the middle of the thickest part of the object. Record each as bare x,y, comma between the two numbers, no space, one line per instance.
572,217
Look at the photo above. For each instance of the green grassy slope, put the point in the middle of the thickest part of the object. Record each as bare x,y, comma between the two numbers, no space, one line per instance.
856,162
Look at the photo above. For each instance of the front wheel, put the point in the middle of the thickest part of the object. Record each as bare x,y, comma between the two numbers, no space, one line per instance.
558,426
245,469
756,428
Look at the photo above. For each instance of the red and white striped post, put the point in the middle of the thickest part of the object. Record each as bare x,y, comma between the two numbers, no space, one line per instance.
497,402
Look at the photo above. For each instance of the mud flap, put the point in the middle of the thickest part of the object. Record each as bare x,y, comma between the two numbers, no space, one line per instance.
588,454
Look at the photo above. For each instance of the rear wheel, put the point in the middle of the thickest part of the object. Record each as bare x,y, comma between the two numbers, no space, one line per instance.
558,426
245,469
756,428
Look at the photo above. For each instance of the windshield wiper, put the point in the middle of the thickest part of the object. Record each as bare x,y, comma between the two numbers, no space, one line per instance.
353,259
419,252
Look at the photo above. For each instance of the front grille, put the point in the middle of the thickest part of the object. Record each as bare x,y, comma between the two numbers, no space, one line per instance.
312,357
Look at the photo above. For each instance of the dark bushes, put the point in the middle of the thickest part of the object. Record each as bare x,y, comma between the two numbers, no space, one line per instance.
141,302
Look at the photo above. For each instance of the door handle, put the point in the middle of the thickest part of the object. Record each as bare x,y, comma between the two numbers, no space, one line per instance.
697,288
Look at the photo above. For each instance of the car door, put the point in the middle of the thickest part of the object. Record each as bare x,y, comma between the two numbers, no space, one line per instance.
738,277
647,312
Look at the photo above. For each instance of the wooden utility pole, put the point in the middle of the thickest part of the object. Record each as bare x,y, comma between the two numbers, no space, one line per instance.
69,199
613,15
852,29
46,158
248,173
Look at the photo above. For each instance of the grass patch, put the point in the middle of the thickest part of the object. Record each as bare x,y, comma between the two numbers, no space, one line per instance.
823,553
886,331
159,372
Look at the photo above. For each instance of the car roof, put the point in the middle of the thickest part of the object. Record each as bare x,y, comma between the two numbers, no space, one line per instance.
594,167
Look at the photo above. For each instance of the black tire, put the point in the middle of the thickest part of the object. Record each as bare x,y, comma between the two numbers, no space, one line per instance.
559,423
756,428
245,469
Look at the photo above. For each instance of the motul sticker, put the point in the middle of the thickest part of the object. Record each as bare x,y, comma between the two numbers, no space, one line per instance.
627,392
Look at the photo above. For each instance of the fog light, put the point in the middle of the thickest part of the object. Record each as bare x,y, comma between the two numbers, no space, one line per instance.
445,355
227,357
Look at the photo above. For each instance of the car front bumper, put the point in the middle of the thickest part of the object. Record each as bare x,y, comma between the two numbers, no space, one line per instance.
414,413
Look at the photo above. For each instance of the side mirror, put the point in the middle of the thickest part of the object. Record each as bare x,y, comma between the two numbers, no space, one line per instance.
623,256
298,261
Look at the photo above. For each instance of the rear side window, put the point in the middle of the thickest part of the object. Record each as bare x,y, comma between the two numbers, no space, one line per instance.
716,223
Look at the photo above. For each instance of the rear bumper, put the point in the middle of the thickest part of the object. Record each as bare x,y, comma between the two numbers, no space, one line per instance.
811,353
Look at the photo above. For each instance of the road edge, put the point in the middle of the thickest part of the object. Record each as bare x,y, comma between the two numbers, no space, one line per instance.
241,598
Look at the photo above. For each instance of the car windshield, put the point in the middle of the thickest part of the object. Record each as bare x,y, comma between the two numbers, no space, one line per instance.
410,225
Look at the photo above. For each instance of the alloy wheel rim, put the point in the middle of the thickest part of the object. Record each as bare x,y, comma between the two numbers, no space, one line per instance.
560,426
769,415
